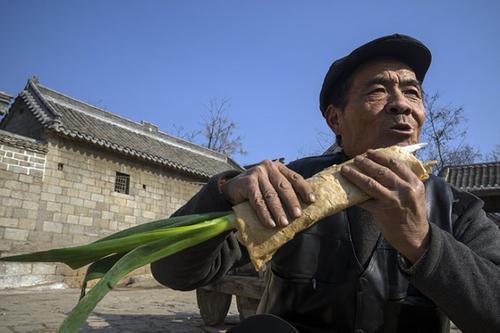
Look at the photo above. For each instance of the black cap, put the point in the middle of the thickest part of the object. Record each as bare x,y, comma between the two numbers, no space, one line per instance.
408,50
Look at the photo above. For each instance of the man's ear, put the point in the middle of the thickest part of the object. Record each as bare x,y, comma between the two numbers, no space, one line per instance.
333,119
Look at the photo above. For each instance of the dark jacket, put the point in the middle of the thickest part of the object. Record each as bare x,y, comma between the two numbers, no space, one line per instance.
341,276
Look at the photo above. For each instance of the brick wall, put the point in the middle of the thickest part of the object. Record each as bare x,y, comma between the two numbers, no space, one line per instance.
21,160
71,201
22,165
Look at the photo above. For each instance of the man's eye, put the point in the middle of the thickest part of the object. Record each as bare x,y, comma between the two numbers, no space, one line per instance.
376,90
412,92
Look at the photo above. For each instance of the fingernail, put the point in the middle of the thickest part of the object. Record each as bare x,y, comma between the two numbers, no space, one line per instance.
297,212
283,221
312,197
271,223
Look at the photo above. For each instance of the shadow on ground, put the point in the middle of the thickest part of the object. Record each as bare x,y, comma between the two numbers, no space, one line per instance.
178,323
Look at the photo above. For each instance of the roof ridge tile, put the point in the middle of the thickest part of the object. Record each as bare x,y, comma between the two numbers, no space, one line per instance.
129,124
67,117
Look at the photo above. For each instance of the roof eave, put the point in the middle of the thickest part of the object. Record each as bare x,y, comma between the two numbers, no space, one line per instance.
51,120
64,132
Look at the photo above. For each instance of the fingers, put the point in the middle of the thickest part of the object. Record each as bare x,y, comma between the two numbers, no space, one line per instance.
380,173
273,204
286,193
257,194
370,205
367,184
395,166
265,194
383,178
246,187
272,190
279,189
259,205
299,184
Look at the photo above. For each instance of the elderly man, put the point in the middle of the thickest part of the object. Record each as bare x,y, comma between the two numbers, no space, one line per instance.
413,256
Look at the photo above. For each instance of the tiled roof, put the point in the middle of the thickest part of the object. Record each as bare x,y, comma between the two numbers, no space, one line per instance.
21,142
75,119
479,177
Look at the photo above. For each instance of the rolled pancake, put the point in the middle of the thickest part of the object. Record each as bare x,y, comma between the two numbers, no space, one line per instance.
333,194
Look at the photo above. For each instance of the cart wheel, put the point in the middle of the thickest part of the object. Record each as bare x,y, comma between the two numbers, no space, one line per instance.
213,306
246,306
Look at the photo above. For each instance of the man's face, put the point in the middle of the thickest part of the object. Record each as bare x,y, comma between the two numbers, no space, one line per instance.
384,108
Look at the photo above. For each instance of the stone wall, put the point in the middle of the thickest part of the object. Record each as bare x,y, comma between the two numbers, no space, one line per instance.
72,202
22,165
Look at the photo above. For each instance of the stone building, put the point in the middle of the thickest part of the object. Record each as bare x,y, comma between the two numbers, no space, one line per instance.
71,173
480,179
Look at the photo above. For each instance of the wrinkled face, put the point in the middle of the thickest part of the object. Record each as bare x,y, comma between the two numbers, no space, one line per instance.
384,107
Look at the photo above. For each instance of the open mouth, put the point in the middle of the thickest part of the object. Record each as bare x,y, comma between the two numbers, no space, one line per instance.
402,128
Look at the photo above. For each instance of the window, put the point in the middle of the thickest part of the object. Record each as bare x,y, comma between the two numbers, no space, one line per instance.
122,183
60,166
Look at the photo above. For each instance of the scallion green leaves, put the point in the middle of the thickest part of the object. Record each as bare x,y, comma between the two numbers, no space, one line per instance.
115,256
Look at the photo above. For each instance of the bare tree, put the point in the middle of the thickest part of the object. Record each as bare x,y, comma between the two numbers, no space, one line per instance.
445,132
181,132
494,155
218,131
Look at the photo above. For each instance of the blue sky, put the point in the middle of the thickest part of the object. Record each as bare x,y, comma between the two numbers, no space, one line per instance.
162,61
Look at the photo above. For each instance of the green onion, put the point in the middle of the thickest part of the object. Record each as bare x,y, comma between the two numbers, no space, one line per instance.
122,241
117,255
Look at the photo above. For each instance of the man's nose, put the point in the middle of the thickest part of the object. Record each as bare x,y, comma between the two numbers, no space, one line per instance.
398,104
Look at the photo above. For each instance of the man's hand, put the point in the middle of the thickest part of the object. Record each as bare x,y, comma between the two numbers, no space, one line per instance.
272,190
398,204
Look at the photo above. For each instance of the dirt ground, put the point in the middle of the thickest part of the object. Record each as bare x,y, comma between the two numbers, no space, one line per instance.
124,310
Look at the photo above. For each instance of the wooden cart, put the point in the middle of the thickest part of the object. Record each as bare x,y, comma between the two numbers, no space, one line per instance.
214,300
